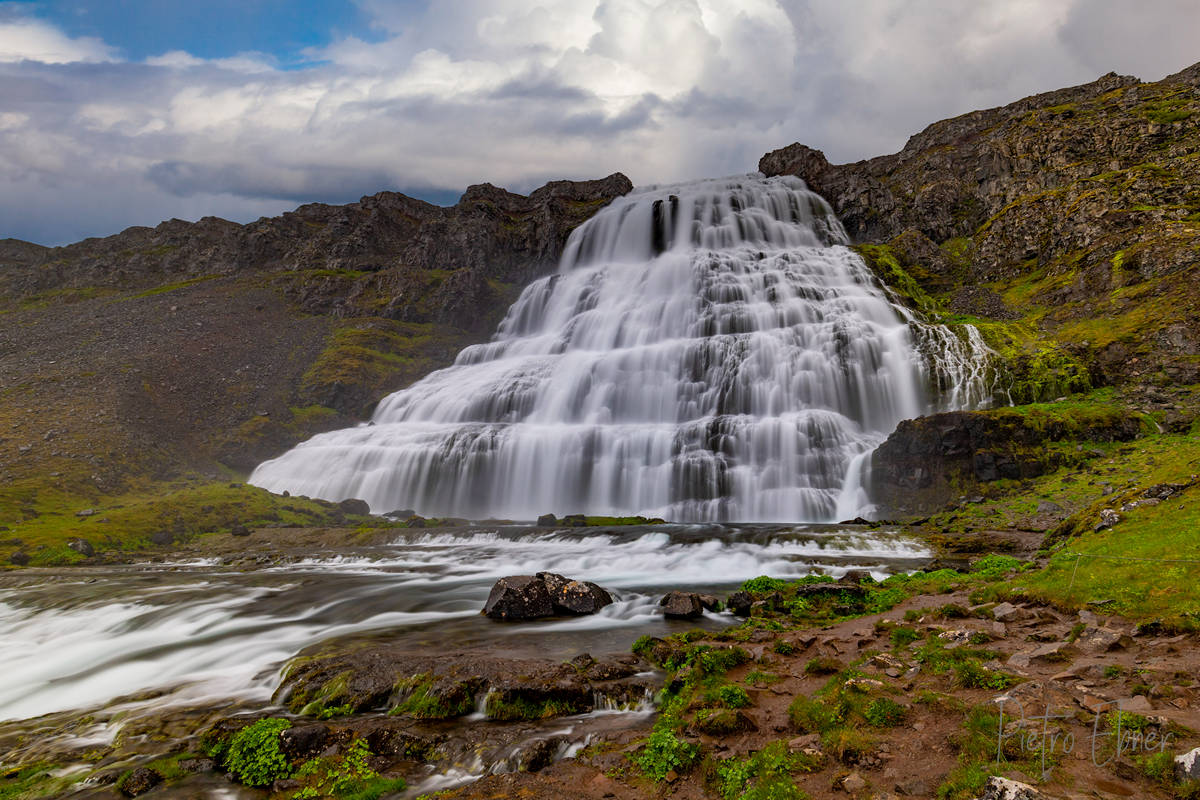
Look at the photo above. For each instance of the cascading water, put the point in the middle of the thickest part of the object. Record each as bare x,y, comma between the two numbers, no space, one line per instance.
706,351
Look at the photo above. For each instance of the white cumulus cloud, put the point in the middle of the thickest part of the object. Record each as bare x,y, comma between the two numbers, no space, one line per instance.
517,92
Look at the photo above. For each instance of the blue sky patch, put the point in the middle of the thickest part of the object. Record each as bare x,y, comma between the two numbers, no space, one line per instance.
208,29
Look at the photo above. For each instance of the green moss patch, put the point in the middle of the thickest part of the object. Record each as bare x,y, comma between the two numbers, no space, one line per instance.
42,519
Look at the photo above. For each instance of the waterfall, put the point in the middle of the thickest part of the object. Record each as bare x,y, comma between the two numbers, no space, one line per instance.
706,351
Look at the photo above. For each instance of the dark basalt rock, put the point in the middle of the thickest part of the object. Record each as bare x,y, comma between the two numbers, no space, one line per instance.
739,603
402,513
140,781
681,605
237,529
20,559
303,741
538,755
547,521
521,597
574,597
925,462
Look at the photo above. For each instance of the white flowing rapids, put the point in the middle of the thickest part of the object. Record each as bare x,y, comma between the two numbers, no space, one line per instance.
706,351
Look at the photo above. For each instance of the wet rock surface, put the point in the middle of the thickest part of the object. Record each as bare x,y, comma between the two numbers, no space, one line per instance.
519,598
138,782
456,684
682,605
528,597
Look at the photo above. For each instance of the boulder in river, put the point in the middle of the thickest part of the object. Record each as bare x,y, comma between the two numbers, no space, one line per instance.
519,597
682,605
523,597
547,521
574,597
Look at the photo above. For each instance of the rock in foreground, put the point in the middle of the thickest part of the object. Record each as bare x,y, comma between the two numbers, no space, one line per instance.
525,597
682,605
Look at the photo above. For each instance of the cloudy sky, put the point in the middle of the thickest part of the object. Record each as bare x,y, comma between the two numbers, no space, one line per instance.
123,112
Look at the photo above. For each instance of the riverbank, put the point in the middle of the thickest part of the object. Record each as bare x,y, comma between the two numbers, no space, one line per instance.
833,688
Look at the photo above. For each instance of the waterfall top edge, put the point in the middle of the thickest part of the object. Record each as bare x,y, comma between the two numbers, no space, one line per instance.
713,214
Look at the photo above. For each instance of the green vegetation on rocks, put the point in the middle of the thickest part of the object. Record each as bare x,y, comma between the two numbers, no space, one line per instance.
253,755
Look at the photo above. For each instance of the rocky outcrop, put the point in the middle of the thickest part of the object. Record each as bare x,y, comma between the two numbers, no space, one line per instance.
953,176
140,781
929,461
490,234
449,685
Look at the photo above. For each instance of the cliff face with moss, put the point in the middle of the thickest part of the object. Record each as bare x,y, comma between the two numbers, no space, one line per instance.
1064,226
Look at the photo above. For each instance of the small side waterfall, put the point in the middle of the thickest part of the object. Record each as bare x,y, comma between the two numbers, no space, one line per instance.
706,351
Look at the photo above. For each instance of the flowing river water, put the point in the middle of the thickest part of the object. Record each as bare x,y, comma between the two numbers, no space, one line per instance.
89,651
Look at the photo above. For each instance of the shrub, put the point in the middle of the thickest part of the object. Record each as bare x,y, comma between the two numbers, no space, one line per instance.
760,679
763,584
995,566
885,713
254,756
348,776
665,752
953,611
823,665
903,636
1159,767
766,775
812,716
708,660
732,696
784,647
971,675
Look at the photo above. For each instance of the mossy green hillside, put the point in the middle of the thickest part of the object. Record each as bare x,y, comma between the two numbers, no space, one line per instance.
40,519
1031,366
